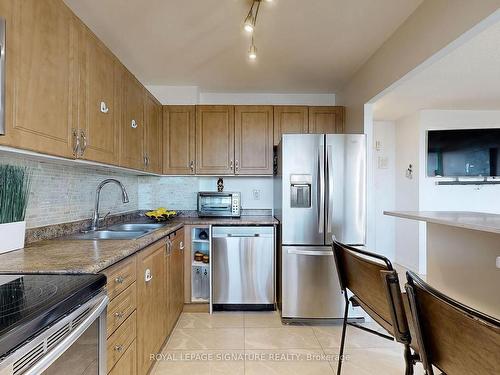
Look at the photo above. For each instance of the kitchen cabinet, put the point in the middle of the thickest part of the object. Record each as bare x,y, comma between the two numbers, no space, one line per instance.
290,120
253,140
41,76
175,293
132,126
99,114
214,139
121,319
153,138
328,120
179,139
151,303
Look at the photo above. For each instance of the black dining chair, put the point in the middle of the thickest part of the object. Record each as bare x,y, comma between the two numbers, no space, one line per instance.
452,337
374,285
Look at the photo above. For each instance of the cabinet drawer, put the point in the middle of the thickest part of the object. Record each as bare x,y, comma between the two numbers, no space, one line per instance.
121,307
119,341
120,276
127,363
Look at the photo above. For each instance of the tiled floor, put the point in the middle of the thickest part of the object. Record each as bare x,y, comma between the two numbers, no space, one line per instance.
257,343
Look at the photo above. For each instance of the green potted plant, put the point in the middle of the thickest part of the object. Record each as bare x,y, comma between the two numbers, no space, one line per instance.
14,194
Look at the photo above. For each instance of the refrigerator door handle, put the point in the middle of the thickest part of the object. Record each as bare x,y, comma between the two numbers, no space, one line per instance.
314,253
321,189
329,171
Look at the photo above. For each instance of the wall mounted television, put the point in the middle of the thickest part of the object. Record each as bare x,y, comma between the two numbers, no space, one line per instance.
464,152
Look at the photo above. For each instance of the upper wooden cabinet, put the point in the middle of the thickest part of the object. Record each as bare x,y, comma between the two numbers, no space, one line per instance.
179,139
98,100
328,120
290,119
253,140
41,76
153,138
214,139
132,126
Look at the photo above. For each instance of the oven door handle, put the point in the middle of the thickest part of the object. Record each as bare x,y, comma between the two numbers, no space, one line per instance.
69,340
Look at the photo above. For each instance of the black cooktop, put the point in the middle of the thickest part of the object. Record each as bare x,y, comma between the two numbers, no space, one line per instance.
30,303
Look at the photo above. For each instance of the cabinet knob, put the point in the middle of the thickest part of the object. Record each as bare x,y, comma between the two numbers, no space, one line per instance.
119,280
118,348
118,315
134,124
181,245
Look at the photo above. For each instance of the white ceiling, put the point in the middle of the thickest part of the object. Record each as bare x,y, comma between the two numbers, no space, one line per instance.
466,78
303,45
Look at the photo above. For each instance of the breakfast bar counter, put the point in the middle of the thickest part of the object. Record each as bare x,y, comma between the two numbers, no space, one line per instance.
462,255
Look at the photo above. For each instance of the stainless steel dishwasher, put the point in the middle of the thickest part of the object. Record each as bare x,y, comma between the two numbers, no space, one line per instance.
243,268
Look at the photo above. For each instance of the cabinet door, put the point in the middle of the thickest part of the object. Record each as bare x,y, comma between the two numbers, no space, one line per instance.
175,293
290,120
41,79
153,141
179,139
132,127
151,303
98,125
253,140
215,139
326,120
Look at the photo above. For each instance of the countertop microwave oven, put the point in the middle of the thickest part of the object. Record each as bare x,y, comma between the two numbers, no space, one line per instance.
219,204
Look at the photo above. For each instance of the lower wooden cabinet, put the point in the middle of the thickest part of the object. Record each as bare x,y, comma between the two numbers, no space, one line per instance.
120,340
151,303
128,362
175,281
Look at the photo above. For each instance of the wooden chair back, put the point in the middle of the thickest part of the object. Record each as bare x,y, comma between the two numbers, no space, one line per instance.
375,286
454,338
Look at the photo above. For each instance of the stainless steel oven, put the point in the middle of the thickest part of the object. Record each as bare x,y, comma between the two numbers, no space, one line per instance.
75,344
220,204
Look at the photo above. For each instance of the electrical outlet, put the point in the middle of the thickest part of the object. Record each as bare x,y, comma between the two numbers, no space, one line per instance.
256,194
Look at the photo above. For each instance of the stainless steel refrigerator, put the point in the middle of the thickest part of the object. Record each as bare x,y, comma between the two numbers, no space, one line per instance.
319,192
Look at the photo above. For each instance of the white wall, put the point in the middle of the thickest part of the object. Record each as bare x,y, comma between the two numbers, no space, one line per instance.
193,95
267,98
407,190
180,193
383,165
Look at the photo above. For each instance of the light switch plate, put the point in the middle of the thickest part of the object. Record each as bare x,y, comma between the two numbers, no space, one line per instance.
256,194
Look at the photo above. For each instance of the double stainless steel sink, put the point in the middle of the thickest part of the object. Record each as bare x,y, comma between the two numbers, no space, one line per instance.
127,231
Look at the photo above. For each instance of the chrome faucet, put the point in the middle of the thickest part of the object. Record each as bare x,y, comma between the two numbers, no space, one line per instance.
95,216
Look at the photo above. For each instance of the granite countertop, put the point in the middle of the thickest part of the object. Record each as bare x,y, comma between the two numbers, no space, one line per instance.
463,219
88,256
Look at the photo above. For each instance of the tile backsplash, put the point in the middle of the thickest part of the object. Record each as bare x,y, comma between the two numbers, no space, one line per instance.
62,192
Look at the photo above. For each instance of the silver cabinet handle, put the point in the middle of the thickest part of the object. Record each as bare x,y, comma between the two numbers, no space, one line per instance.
231,164
118,348
306,252
134,124
104,107
237,166
181,245
145,161
119,280
191,165
148,275
84,139
118,315
76,141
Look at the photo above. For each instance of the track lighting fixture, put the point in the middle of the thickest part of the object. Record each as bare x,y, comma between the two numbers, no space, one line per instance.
250,23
